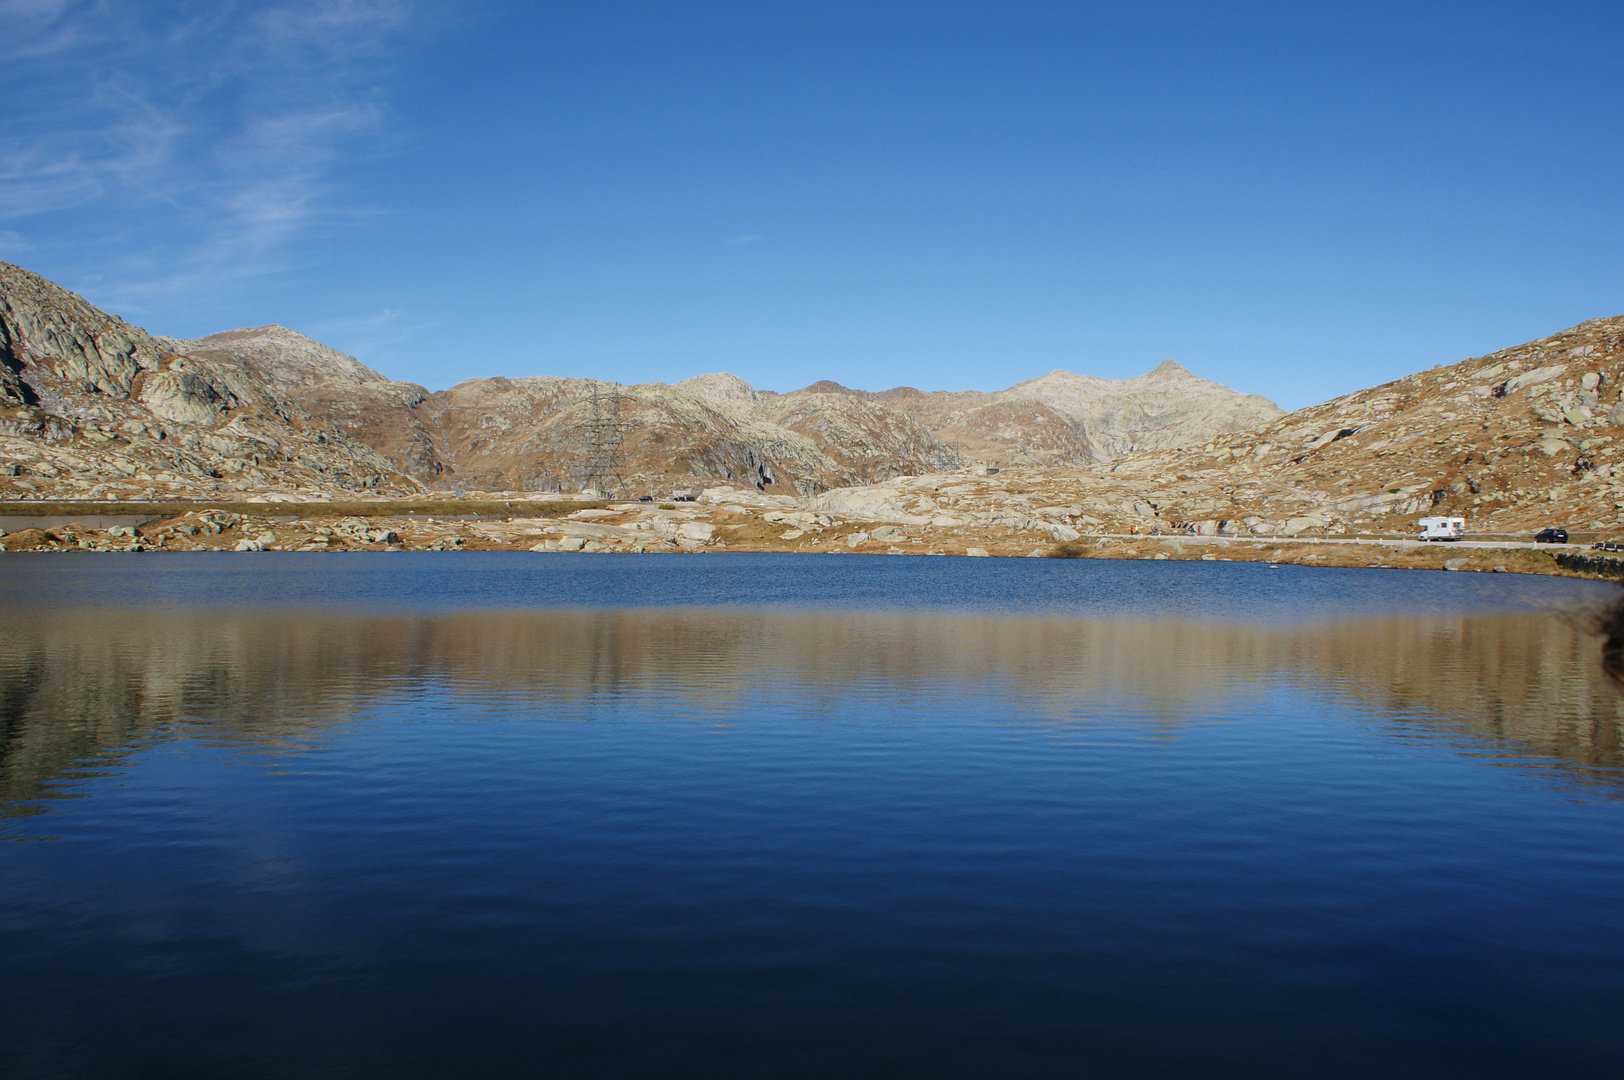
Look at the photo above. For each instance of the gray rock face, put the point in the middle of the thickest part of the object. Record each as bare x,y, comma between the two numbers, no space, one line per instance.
182,397
53,344
702,531
91,406
333,388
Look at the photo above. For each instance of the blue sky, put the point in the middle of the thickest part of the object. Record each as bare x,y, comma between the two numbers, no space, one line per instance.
1293,200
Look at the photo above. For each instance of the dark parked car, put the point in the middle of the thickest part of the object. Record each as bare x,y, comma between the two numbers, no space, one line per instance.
1551,536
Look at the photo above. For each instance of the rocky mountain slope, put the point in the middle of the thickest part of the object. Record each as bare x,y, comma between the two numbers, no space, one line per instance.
1511,441
334,387
97,407
1066,419
532,434
1521,439
93,407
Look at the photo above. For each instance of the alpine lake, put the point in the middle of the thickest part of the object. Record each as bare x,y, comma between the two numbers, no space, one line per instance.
463,814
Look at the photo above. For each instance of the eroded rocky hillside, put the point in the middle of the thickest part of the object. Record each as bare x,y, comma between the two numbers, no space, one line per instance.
95,407
1062,419
1511,441
92,407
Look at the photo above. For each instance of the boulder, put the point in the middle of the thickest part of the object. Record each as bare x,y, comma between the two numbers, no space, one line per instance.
1530,378
867,504
976,553
799,518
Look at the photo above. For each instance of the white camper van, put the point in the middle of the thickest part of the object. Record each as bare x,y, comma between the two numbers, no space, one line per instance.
1442,528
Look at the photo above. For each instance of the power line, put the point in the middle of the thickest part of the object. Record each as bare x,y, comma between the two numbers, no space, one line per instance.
604,434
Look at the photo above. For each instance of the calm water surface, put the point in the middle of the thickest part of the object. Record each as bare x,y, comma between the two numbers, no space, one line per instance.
461,814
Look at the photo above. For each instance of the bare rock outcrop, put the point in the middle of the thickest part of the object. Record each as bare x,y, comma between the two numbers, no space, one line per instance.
334,388
57,348
532,433
93,407
1520,439
1164,408
1064,419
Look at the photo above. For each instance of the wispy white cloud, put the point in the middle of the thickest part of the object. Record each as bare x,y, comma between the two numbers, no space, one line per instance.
191,144
361,323
741,239
366,335
38,28
12,244
339,25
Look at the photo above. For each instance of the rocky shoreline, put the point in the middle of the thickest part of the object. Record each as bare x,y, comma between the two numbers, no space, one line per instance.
729,520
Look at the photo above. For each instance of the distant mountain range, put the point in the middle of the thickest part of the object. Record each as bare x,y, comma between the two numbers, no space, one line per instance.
92,407
267,407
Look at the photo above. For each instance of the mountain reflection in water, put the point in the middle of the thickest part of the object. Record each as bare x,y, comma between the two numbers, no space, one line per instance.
587,817
80,689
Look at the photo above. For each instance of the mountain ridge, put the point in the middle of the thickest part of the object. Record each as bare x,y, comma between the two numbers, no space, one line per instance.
92,407
533,432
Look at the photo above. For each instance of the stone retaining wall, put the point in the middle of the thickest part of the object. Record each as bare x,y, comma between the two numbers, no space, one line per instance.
1591,564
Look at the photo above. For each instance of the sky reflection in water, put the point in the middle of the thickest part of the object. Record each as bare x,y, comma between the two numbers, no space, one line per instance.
1372,826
